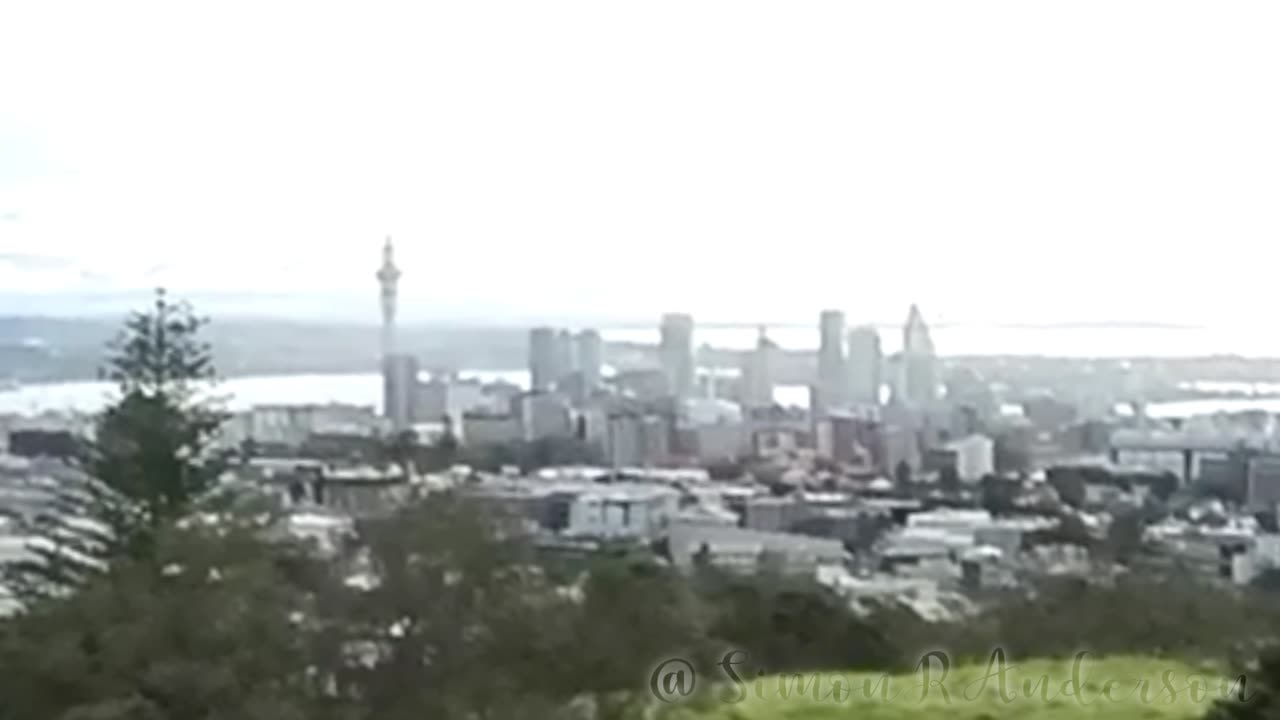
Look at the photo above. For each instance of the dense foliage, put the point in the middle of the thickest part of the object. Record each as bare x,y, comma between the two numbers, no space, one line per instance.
202,632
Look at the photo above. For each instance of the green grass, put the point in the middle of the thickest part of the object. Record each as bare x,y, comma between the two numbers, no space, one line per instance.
968,696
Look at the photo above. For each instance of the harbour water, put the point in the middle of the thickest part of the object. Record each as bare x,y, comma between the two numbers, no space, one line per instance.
238,393
950,338
241,393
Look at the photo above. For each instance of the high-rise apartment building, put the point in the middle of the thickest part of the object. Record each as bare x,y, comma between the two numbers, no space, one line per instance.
590,359
919,361
833,380
544,359
757,373
676,349
864,365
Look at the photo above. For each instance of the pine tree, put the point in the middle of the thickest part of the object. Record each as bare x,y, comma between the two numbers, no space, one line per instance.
148,462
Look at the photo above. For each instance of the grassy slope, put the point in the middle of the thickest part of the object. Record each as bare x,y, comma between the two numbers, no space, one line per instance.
968,699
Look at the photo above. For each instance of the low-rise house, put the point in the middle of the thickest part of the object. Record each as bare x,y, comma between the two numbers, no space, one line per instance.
577,506
356,489
700,514
921,595
544,415
722,441
622,511
774,514
638,439
743,549
291,425
480,428
974,457
324,530
1220,552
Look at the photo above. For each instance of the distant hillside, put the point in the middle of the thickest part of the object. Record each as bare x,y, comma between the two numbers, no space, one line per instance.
36,348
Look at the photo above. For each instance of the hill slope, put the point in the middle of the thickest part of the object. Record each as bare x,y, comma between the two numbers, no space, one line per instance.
1108,688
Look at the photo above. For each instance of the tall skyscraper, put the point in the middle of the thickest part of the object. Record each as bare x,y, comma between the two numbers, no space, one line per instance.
676,348
833,379
757,373
865,364
399,372
566,358
590,359
919,361
544,358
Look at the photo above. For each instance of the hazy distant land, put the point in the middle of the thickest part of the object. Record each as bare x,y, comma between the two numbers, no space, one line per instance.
34,349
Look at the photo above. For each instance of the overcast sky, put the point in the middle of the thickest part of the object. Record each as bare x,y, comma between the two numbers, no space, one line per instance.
990,160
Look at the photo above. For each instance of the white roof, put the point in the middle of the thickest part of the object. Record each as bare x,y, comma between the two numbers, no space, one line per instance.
14,462
983,552
318,521
827,497
627,492
949,517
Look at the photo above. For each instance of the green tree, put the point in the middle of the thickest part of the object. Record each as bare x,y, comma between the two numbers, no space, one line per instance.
1259,697
790,622
455,620
634,614
1069,483
1172,616
1267,581
149,461
444,451
1071,530
533,454
401,449
1124,536
212,629
998,494
406,450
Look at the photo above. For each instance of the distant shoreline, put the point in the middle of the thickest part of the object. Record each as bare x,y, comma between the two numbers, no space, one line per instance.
33,349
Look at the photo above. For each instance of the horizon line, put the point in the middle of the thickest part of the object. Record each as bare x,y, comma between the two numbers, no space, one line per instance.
617,323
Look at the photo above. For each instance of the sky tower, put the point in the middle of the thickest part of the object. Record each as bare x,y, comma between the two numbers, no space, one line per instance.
399,372
388,280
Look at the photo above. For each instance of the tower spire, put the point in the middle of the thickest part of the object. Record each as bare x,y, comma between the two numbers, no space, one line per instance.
389,281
